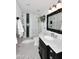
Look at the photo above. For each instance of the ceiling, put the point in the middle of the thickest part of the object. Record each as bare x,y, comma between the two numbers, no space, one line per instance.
35,6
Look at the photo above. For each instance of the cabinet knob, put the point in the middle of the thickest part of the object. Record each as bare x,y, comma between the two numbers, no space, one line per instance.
50,50
51,57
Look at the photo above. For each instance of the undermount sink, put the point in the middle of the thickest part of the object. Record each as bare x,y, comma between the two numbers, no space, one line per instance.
48,37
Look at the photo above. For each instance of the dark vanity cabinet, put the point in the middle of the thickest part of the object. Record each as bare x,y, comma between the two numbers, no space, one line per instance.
58,55
42,49
51,53
46,52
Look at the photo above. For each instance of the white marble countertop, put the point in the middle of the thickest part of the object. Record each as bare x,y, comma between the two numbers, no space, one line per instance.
55,44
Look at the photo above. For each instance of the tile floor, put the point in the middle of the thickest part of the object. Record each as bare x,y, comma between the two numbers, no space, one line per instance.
27,50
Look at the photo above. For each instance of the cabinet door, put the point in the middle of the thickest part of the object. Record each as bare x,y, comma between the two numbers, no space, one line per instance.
58,55
42,49
51,53
44,53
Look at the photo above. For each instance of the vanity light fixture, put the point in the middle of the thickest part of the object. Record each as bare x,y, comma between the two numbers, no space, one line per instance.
59,1
59,4
50,10
54,7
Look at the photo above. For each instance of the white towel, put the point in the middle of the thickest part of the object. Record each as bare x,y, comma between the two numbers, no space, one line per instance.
20,28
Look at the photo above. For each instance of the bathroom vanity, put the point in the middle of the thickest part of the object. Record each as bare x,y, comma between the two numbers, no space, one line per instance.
50,48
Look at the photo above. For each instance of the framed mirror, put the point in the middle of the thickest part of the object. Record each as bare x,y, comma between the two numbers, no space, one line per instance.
54,21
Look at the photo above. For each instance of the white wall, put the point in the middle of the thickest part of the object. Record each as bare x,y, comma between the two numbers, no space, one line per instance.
42,26
18,11
24,18
33,25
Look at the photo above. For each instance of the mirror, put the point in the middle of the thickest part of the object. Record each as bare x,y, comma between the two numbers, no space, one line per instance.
54,21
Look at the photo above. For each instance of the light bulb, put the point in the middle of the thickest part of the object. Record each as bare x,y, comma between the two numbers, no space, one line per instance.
49,11
54,8
59,5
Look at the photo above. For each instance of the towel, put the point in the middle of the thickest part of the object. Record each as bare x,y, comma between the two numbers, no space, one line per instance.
20,28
